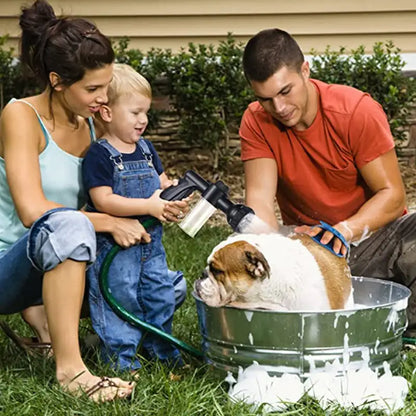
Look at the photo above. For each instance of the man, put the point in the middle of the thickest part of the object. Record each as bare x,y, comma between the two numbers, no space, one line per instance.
326,153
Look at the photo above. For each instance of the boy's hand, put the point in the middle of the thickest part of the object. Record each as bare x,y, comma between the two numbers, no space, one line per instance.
167,183
167,211
157,206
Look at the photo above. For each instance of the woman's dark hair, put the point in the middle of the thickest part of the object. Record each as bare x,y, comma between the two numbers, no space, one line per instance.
268,51
67,46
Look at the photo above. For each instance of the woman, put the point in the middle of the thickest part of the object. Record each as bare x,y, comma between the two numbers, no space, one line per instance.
42,141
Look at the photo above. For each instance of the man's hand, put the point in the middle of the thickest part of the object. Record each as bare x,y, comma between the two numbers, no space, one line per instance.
337,245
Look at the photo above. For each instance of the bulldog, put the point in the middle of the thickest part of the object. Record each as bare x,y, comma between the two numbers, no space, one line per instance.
275,272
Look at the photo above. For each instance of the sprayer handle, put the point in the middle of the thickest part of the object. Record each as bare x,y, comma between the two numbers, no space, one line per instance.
176,192
190,182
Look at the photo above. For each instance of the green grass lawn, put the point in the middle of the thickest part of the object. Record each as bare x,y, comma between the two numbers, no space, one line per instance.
27,385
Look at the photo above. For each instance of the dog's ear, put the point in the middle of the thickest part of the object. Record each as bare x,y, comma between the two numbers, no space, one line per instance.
257,265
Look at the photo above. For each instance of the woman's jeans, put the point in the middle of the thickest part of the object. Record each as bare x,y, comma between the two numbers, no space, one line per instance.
59,234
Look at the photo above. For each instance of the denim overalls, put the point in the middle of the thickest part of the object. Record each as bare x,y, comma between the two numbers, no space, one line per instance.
138,277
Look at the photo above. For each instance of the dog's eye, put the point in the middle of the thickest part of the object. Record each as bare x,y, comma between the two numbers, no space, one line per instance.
216,272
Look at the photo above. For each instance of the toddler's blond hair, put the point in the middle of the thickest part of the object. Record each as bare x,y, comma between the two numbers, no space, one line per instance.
127,81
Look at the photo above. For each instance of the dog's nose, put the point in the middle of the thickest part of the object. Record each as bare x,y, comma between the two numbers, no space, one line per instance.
197,286
198,283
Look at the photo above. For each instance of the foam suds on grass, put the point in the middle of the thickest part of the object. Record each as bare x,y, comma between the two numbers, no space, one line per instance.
361,388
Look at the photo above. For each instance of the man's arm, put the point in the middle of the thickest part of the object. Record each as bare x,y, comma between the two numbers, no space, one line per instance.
261,186
382,175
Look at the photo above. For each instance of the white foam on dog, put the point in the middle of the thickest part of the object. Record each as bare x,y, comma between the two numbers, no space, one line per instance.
361,388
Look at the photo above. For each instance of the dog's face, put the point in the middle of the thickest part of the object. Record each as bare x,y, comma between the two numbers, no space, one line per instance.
231,271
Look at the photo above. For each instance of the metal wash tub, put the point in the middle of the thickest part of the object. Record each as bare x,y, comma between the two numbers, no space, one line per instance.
300,342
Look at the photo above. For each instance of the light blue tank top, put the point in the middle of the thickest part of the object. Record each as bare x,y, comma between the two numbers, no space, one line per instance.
61,183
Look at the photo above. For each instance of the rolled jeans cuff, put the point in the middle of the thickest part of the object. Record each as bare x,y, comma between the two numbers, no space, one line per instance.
58,235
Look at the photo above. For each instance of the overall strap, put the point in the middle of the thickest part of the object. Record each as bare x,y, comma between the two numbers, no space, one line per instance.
42,125
115,155
146,151
92,129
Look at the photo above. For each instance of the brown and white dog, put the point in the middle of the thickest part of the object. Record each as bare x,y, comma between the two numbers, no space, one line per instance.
272,271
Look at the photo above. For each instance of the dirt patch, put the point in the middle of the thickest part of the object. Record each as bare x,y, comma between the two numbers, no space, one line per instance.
176,163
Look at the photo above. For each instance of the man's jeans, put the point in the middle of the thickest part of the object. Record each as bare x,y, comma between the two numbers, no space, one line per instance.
390,254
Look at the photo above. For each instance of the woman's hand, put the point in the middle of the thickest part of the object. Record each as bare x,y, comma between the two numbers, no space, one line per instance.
128,232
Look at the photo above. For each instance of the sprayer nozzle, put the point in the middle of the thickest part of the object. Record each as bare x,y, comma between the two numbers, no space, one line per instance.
236,213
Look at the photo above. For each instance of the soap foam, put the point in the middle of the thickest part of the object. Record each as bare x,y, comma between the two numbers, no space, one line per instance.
361,388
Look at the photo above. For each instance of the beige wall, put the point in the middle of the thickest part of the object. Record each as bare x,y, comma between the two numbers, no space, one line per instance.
174,23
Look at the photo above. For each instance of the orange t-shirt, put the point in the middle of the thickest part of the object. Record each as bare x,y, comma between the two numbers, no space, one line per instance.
318,176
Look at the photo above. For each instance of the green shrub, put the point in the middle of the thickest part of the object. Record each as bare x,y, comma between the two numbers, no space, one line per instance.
209,91
153,65
12,81
380,74
7,72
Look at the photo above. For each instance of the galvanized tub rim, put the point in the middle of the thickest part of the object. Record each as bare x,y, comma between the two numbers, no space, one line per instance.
301,311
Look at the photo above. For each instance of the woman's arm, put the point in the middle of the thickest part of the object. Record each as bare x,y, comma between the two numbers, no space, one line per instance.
22,141
125,231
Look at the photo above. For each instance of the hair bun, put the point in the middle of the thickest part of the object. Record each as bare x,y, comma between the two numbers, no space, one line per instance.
51,44
37,17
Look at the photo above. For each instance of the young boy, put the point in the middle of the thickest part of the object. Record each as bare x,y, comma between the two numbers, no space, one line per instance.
124,177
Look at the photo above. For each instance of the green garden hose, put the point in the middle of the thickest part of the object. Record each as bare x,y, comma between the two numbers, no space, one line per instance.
407,340
122,313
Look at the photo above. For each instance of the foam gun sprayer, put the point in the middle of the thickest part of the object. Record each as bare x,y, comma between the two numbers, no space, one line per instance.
213,196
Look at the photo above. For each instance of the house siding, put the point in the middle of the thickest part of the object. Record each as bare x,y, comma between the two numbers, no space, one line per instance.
173,24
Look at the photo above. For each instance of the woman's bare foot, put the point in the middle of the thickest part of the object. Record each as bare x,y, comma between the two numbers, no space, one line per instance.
35,317
98,389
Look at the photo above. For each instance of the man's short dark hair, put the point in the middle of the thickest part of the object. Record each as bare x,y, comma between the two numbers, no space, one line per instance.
268,51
